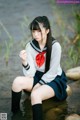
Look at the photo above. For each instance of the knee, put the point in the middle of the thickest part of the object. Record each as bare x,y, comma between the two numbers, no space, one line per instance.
35,96
16,83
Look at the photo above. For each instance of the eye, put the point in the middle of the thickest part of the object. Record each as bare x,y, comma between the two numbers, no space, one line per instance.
38,30
33,30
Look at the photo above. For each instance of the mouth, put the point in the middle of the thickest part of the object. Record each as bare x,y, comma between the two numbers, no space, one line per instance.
37,38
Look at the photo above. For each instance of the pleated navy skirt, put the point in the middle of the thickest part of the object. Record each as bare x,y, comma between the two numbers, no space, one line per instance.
58,84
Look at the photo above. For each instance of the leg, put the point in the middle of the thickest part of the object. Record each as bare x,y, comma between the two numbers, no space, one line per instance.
42,93
18,85
37,96
21,83
36,86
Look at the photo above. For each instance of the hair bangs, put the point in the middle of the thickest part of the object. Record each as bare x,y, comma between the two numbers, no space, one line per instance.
34,26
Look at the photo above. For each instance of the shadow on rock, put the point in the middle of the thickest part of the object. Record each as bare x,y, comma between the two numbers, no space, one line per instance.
54,110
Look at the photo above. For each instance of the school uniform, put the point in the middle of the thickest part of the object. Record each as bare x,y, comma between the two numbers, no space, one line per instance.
55,76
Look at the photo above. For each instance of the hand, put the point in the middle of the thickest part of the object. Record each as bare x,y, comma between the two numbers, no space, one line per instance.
23,57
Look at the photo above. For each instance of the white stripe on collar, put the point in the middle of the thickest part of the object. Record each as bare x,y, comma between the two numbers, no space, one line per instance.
34,45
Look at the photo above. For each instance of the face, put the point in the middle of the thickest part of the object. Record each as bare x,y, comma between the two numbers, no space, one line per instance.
40,35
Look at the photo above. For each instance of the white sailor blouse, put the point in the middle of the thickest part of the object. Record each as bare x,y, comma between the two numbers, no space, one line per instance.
36,61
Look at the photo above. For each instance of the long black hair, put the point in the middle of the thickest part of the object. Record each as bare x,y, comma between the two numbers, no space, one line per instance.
46,24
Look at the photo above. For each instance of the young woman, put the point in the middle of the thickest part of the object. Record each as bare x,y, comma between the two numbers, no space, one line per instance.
44,77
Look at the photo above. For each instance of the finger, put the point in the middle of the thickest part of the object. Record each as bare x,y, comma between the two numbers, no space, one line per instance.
23,52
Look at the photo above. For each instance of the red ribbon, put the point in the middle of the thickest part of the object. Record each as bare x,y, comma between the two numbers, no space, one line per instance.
40,59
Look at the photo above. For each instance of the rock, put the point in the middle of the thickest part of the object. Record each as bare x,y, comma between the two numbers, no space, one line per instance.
73,73
73,100
56,110
68,90
54,114
73,117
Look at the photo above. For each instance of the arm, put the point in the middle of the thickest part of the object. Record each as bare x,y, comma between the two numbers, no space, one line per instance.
27,61
55,68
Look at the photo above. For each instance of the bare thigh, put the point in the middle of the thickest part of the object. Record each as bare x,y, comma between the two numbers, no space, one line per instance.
42,93
21,83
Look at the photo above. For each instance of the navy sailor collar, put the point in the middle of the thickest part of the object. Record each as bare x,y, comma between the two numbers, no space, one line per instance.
35,45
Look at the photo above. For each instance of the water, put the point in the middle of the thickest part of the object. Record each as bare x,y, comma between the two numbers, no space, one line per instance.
12,14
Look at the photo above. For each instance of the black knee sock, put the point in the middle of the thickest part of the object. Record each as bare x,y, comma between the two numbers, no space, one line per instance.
37,112
15,103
